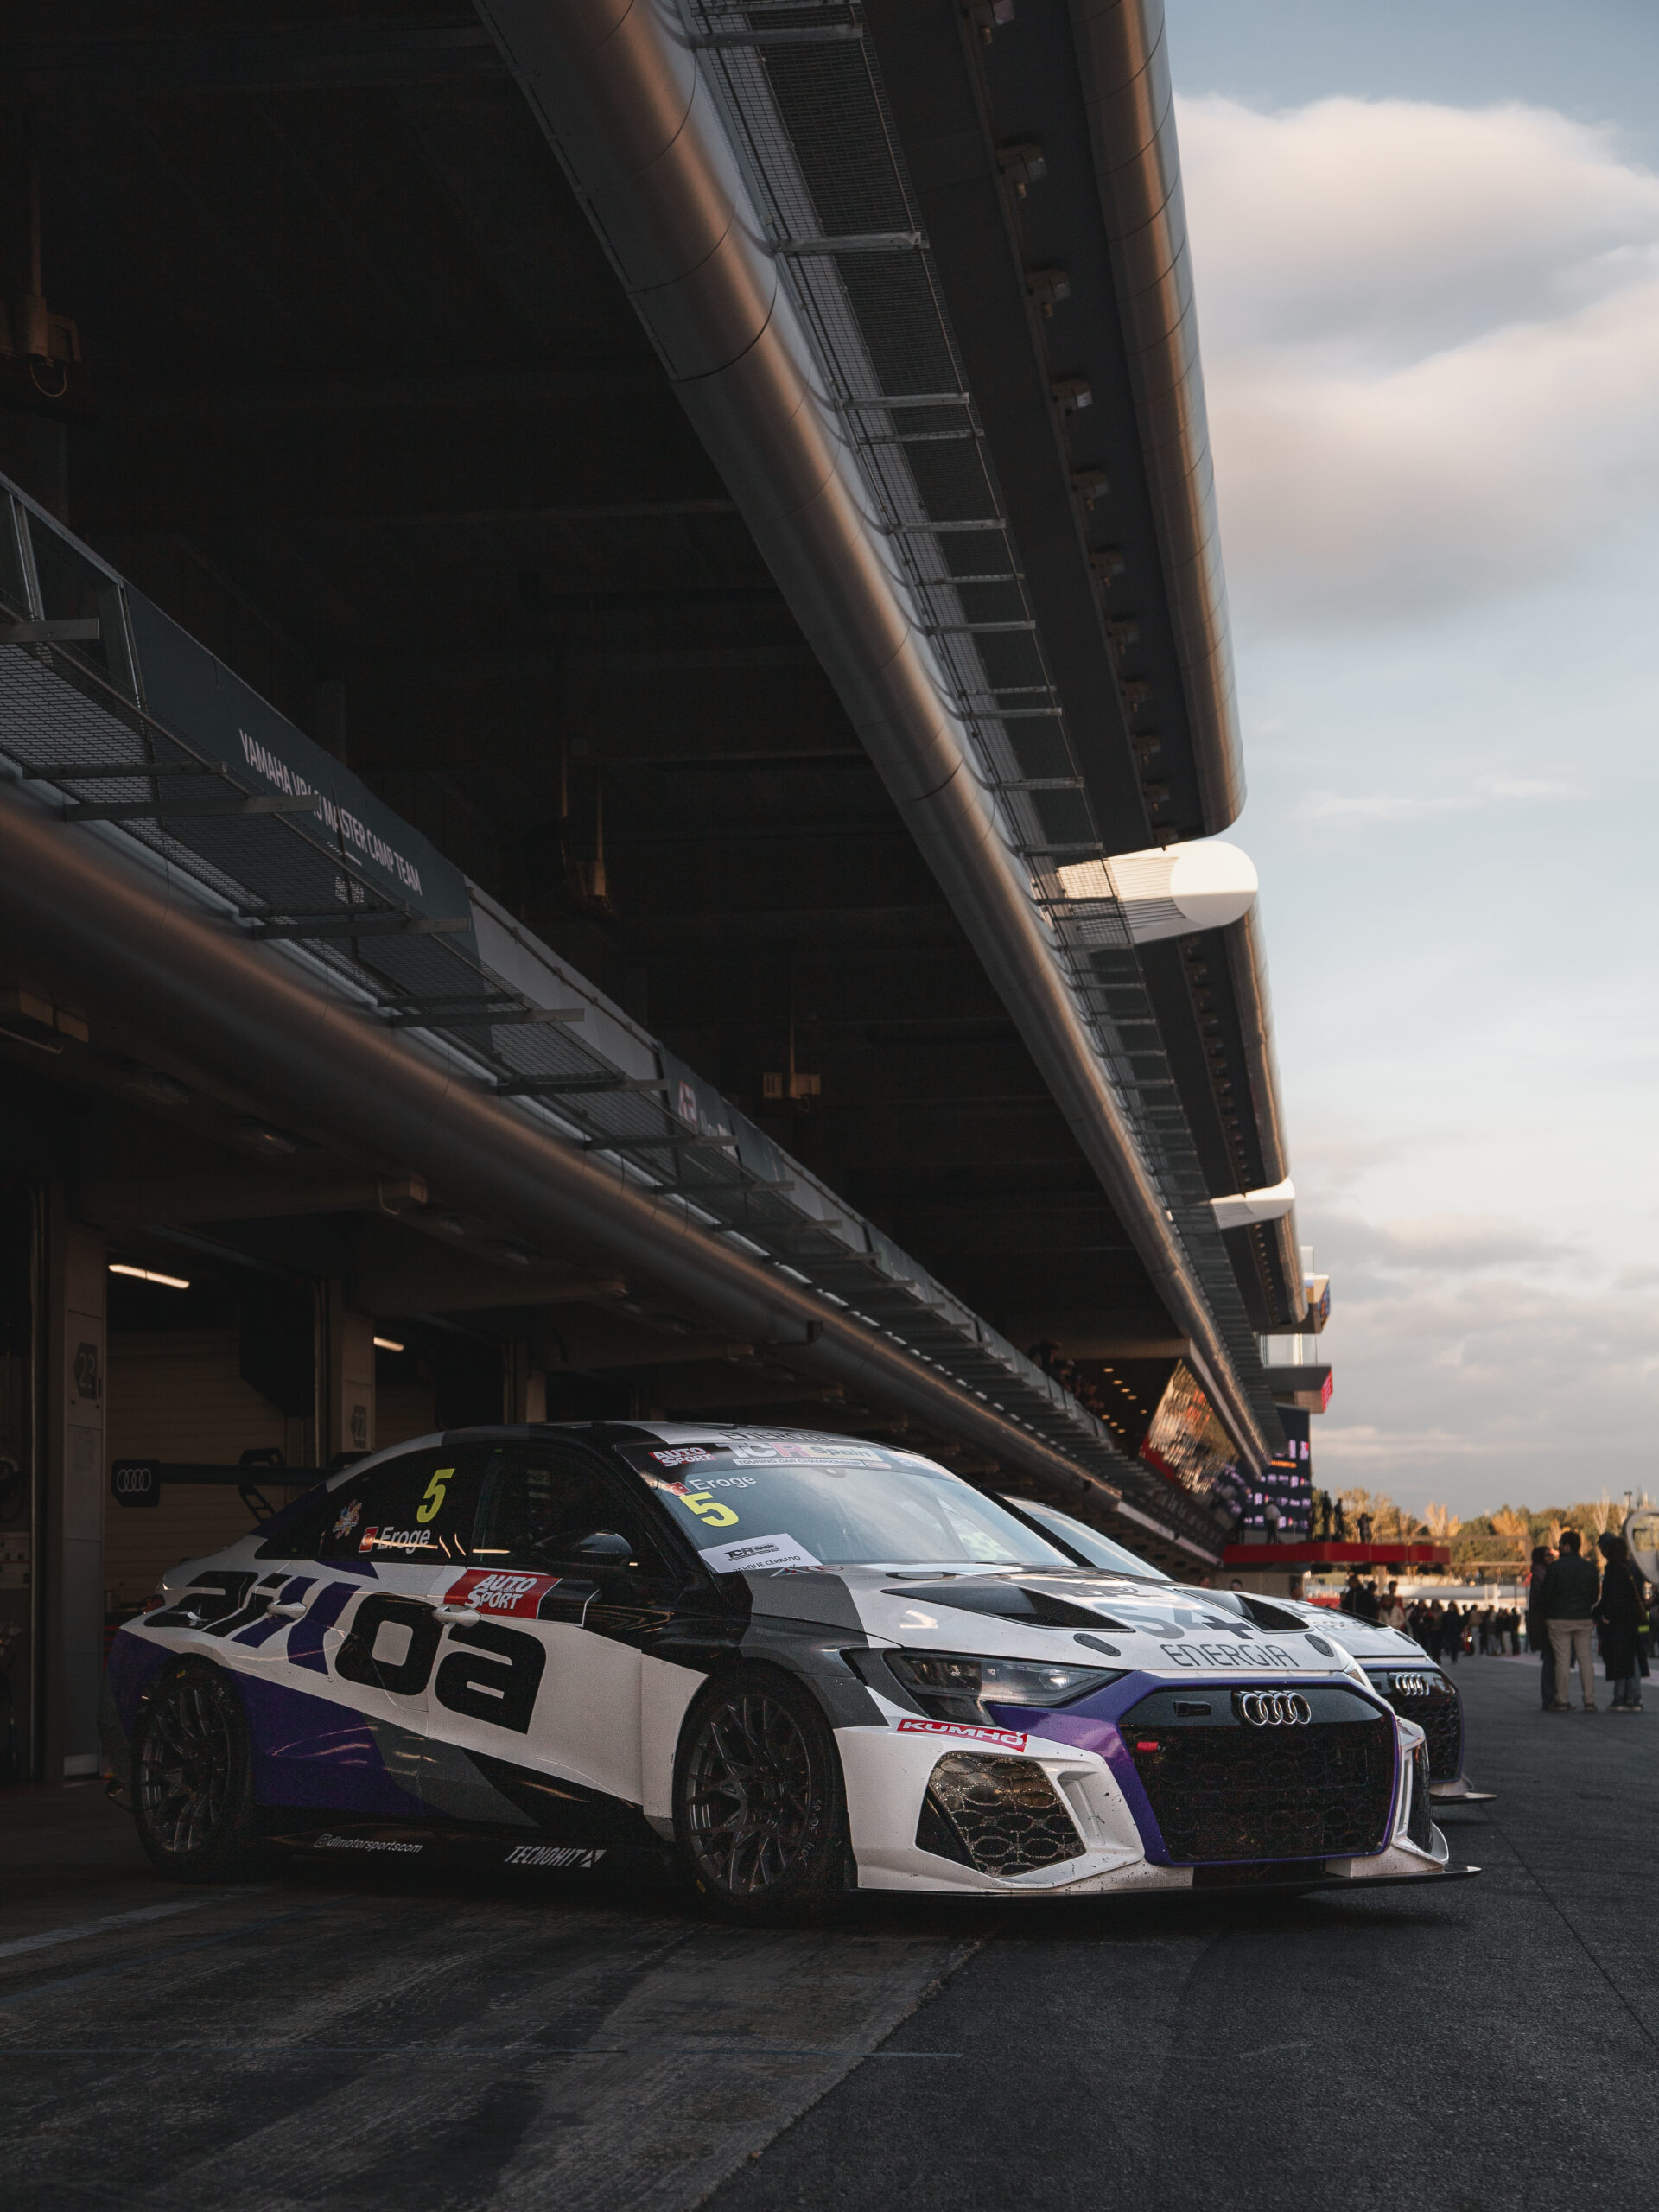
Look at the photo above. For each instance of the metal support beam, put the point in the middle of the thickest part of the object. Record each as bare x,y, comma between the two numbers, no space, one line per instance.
65,631
362,924
856,242
438,1016
544,1086
157,810
109,771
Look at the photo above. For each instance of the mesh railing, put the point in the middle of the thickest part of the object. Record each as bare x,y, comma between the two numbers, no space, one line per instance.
799,91
76,728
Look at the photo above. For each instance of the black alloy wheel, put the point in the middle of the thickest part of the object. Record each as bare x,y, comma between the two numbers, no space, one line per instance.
758,1810
193,1776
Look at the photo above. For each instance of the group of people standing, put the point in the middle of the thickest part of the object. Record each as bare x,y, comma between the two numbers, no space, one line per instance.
1571,1607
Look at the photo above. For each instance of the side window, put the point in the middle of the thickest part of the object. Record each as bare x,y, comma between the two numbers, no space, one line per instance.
415,1510
536,1504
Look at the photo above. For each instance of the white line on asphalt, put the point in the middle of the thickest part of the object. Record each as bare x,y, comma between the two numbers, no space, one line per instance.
51,1936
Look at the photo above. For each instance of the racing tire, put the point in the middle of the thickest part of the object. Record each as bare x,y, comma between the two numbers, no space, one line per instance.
760,1806
193,1778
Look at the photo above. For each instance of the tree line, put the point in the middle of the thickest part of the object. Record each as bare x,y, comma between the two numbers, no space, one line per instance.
1509,1533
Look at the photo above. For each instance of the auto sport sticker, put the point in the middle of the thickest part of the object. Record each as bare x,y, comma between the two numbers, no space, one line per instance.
497,1590
683,1455
756,1554
1007,1738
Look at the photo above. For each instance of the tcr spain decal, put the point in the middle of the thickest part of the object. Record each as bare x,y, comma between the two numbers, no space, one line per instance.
756,1554
1008,1739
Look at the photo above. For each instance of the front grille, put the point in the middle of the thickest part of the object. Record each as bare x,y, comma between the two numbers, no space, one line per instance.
1251,1873
1437,1709
1000,1816
1221,1788
1417,1824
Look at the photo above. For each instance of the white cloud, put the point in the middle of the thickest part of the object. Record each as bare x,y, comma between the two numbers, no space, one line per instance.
1446,1242
1470,1366
1362,807
1432,341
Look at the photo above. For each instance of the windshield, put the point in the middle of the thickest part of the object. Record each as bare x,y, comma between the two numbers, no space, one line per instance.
1098,1550
754,1506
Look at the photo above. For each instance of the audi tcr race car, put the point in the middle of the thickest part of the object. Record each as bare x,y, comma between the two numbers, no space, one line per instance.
799,1664
1395,1663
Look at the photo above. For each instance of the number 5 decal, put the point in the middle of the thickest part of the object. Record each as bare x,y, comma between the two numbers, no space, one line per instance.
711,1510
432,1503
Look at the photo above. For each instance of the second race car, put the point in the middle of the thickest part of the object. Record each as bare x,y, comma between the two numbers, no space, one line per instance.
1396,1664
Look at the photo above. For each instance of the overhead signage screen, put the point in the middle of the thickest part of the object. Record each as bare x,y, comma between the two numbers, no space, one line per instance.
214,711
1279,1506
1189,1446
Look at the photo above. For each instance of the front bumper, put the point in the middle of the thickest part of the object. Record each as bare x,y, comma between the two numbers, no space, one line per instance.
1062,1796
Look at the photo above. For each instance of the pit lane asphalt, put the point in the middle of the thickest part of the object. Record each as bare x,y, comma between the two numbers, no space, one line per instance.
370,2037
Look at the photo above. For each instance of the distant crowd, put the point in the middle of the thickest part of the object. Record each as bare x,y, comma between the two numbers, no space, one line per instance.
1572,1609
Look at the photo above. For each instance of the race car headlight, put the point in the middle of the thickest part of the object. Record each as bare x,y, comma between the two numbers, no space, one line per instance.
953,1687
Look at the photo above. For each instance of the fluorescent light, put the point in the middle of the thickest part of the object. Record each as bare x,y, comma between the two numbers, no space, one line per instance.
148,1274
385,1344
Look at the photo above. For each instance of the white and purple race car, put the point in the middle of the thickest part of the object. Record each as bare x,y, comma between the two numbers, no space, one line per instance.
1396,1664
798,1664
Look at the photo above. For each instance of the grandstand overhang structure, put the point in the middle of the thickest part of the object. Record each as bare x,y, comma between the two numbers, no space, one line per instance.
613,630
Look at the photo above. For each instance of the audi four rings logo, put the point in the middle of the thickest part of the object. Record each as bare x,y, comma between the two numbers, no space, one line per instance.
1411,1685
1273,1708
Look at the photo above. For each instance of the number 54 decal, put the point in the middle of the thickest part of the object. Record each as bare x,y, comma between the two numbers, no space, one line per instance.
432,1504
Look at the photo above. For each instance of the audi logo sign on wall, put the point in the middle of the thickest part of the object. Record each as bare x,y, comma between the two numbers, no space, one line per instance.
135,1482
1273,1708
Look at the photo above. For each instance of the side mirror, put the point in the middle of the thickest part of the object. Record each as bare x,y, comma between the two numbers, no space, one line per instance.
603,1547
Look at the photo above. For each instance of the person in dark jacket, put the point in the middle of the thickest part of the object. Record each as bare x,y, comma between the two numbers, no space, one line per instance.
1572,1588
1450,1633
1537,1626
1617,1614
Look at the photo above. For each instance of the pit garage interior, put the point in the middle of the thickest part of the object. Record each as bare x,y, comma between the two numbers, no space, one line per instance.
520,900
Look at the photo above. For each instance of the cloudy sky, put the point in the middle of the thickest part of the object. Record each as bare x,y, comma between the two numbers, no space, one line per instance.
1426,241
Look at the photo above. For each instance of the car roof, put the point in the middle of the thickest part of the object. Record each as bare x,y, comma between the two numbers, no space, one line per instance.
658,1431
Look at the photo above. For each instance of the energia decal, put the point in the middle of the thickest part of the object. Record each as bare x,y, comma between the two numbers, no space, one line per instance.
1228,1655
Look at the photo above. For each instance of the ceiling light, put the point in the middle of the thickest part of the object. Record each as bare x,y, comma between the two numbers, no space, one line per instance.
148,1274
386,1344
258,1138
151,1085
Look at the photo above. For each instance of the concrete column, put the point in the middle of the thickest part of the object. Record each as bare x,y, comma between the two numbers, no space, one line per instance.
72,1554
351,1379
523,1388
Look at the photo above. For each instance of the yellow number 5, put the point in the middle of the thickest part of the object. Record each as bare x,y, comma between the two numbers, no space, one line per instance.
432,1503
711,1510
